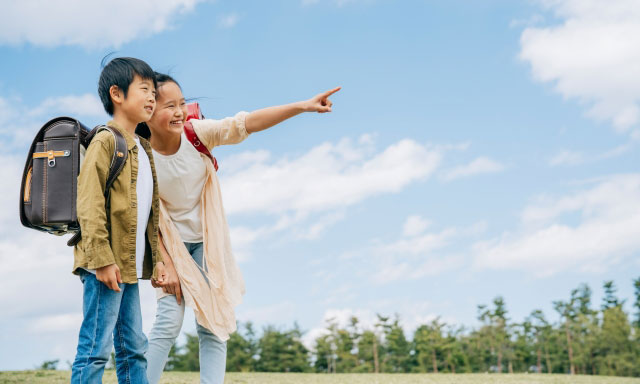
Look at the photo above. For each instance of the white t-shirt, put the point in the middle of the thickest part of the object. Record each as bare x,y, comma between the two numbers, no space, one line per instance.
144,197
181,177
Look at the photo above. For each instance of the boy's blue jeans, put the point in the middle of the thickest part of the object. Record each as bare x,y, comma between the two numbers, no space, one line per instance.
169,316
106,313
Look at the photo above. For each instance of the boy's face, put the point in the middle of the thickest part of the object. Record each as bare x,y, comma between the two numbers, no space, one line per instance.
140,102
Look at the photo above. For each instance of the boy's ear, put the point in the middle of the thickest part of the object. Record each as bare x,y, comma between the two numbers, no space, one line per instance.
116,94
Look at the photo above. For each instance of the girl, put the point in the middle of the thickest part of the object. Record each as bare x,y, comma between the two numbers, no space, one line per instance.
194,237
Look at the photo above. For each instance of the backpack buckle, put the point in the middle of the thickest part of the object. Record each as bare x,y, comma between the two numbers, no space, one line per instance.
52,159
51,156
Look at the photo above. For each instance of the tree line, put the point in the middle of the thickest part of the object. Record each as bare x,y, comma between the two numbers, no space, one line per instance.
583,340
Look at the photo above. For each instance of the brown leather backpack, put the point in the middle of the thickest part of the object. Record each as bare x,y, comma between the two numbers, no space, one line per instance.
49,181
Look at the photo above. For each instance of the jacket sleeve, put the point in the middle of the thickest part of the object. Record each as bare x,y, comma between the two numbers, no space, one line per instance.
90,205
230,130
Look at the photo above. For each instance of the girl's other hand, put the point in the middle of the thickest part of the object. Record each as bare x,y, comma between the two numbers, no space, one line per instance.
321,103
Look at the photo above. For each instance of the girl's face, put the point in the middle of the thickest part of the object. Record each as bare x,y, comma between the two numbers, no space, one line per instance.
171,110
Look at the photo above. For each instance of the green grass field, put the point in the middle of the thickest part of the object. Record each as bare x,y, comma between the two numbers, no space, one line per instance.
42,377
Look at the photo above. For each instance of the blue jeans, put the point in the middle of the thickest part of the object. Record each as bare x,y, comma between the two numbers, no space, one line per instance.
166,328
110,316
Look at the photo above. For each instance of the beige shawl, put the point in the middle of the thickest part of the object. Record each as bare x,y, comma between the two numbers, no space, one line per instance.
213,302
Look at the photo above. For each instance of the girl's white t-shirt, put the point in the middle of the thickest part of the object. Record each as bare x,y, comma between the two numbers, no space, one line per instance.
181,178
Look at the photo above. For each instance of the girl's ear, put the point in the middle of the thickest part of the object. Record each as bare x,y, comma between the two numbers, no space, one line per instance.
116,94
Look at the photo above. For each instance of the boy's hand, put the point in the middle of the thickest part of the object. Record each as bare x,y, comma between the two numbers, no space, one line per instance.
162,275
321,103
109,276
172,283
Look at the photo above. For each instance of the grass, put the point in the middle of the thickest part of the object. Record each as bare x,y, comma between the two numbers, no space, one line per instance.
53,377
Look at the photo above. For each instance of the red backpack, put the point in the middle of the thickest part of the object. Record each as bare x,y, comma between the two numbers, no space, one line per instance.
194,113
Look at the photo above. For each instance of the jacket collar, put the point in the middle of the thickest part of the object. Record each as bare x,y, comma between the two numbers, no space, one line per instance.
127,136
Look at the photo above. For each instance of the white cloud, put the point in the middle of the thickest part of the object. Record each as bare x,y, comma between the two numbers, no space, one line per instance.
242,239
593,55
411,257
615,152
57,323
566,157
31,262
415,225
328,177
298,226
11,167
572,158
402,270
588,231
88,23
527,22
20,122
83,105
342,293
238,162
228,21
478,166
338,3
321,224
423,244
311,192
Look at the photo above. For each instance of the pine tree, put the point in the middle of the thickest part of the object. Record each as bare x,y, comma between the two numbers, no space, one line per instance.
568,316
636,304
397,348
241,349
367,343
428,345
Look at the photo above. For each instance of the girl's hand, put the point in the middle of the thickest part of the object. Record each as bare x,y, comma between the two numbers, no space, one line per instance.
321,103
171,283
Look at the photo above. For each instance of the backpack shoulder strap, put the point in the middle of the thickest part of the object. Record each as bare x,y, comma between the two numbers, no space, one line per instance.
195,141
118,159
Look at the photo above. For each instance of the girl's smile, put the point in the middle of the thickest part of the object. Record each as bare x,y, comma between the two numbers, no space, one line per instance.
171,110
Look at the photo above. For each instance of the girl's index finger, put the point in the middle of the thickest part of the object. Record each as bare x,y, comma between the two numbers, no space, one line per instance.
331,92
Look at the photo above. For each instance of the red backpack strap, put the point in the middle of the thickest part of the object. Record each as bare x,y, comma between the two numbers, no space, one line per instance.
195,141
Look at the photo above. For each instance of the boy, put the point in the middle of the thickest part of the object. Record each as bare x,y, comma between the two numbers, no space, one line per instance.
119,236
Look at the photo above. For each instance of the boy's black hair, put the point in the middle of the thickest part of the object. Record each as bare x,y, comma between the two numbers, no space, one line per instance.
142,129
120,72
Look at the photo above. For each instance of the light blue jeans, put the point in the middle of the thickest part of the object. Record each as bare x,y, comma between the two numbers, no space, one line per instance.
166,328
110,316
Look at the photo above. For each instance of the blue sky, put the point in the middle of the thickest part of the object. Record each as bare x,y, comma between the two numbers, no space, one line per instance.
476,149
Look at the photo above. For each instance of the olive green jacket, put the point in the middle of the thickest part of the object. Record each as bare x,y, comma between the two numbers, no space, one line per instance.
109,228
